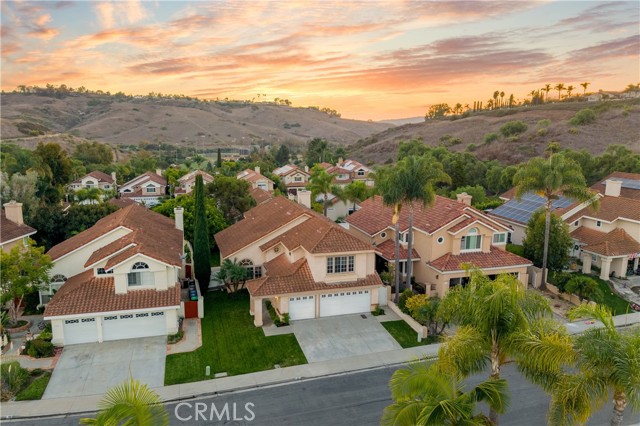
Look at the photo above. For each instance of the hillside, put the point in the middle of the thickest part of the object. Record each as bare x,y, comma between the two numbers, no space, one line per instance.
129,121
617,122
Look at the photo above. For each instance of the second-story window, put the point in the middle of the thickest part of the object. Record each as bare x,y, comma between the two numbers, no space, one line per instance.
139,275
340,264
101,271
297,179
151,188
361,172
499,238
471,241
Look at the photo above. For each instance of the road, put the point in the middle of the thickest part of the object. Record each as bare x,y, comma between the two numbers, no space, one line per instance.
348,400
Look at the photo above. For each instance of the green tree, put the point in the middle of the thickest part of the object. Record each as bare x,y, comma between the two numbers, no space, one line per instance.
438,111
83,216
318,151
219,159
604,361
413,147
320,183
584,288
130,403
233,275
282,155
426,310
92,195
493,317
558,244
233,196
477,193
52,164
201,248
550,178
21,188
423,395
546,89
93,153
22,270
356,192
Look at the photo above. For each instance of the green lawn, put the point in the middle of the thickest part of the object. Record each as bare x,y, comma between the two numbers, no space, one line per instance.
616,303
214,259
36,388
231,344
405,335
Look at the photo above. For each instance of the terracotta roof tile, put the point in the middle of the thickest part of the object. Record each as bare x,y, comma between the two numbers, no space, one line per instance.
260,195
10,230
110,249
387,251
100,176
614,243
121,202
624,192
206,177
146,177
252,176
86,294
496,258
611,208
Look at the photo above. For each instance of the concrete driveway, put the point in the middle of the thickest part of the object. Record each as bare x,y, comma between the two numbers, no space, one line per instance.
93,368
342,336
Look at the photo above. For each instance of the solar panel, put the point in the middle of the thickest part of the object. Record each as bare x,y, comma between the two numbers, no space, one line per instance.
522,210
630,183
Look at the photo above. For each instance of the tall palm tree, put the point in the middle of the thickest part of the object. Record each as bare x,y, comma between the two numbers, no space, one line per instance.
547,89
320,183
550,178
584,87
495,98
569,90
355,192
425,396
559,87
501,99
606,361
495,320
130,403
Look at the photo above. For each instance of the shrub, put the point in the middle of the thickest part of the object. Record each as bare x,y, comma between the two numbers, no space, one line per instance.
560,279
573,131
543,124
490,137
39,348
582,117
488,204
175,338
512,128
542,132
584,288
472,147
46,336
377,311
402,301
14,378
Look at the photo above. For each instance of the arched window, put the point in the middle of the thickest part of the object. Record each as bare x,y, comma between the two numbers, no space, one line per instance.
58,278
472,241
252,271
246,262
151,188
89,184
140,265
139,276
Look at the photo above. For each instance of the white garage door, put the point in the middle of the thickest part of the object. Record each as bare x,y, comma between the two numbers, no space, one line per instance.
131,326
345,302
302,307
81,330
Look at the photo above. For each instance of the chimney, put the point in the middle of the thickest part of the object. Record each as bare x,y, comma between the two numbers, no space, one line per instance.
179,215
257,169
113,177
13,211
159,172
612,187
340,160
304,198
306,168
464,198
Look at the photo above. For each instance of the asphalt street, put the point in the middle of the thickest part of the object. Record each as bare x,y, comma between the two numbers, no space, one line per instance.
347,400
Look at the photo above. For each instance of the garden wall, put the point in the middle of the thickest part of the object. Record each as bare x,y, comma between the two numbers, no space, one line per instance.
420,329
571,298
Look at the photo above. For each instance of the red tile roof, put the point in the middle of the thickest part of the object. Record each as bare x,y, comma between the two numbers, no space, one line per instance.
206,177
624,192
100,176
387,251
284,277
614,243
10,230
252,176
496,258
121,202
146,177
86,294
260,195
611,208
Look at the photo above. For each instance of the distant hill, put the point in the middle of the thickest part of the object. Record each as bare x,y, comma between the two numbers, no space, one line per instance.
129,121
617,122
403,121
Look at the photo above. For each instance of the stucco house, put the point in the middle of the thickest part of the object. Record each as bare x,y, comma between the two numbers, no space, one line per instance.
336,207
117,279
95,179
306,265
256,179
293,177
348,171
147,189
447,236
187,183
13,230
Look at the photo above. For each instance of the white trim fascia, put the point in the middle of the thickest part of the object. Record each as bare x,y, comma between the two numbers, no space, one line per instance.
482,269
18,238
524,225
111,255
576,209
95,239
102,313
449,223
485,216
147,257
475,221
603,256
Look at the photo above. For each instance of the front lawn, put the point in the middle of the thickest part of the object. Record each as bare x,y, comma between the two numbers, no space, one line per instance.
36,388
405,335
616,303
231,344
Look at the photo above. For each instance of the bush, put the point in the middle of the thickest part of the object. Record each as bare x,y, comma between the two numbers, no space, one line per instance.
542,132
513,128
175,338
544,123
47,336
14,378
472,147
582,117
377,311
573,131
39,348
560,279
402,301
490,137
489,204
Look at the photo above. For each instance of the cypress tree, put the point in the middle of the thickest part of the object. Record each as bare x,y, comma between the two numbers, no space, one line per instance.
201,249
219,159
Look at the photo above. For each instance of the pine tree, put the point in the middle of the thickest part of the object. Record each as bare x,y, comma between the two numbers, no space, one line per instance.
219,159
201,249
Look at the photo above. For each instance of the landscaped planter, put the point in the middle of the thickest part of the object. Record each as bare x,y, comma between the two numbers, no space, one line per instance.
20,329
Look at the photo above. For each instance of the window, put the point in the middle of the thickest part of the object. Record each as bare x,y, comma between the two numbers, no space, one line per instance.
472,241
383,235
598,223
107,187
297,179
101,271
500,238
157,314
126,316
142,315
111,317
440,240
576,223
89,184
140,265
594,258
151,188
136,279
88,320
58,278
262,185
340,264
404,237
252,271
361,172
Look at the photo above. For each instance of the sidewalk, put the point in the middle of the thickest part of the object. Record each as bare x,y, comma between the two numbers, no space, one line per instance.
49,407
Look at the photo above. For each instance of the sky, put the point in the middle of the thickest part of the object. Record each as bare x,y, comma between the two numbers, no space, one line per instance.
366,59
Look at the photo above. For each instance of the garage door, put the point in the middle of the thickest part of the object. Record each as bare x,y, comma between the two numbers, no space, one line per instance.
345,302
302,307
131,326
81,330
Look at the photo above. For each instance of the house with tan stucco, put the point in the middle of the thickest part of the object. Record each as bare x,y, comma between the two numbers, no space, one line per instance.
187,183
303,263
256,179
118,279
147,189
293,177
448,237
13,230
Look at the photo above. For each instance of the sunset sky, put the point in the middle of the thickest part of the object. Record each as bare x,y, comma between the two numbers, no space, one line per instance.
367,59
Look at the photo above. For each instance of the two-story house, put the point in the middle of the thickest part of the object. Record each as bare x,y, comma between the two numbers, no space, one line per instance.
256,179
95,179
447,236
147,189
293,177
117,279
348,171
187,183
306,265
13,230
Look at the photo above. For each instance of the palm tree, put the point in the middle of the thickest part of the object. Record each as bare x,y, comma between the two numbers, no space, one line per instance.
501,99
495,98
569,90
356,192
550,178
497,322
584,86
320,183
547,89
606,361
424,396
233,275
130,403
559,87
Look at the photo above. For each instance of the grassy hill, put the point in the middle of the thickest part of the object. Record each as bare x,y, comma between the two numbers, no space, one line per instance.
617,122
29,118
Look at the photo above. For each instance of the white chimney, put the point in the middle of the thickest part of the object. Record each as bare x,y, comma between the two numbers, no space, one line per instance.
306,168
179,215
257,169
464,198
113,177
304,198
13,211
612,187
159,172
